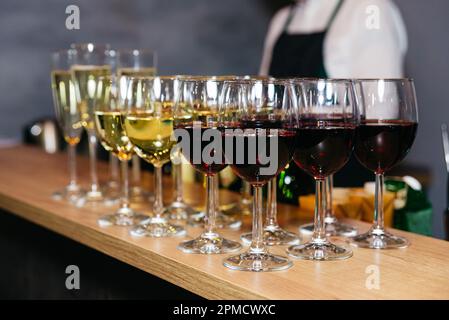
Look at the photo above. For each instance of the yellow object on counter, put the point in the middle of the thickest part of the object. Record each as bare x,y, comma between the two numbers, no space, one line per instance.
353,203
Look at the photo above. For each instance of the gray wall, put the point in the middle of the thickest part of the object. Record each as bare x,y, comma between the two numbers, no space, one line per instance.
203,37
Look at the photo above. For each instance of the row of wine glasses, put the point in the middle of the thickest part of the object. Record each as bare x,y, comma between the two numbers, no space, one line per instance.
257,126
75,73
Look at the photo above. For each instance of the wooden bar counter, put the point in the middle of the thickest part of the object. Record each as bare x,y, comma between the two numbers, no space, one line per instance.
29,176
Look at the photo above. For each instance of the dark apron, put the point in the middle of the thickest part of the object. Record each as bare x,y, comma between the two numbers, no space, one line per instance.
301,55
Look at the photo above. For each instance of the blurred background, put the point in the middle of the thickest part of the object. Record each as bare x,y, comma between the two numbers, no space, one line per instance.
206,37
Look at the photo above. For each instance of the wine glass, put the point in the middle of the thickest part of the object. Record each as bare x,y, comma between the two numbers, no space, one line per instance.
135,63
332,225
257,120
149,127
109,123
91,62
388,128
111,189
222,219
196,118
327,119
69,119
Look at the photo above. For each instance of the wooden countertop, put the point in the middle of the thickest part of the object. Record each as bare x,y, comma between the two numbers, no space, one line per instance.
29,176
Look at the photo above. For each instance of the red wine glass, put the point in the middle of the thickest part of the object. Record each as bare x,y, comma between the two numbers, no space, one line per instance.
389,122
327,118
257,119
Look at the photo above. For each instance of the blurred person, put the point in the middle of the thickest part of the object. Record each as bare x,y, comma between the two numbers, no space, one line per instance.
334,39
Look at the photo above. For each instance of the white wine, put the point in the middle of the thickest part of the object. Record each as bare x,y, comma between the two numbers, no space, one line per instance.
151,136
67,111
136,72
86,84
110,127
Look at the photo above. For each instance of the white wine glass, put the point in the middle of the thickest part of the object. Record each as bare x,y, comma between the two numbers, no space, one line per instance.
149,127
91,62
68,116
135,63
109,123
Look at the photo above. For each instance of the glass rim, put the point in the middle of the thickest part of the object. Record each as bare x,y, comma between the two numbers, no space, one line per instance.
149,78
406,79
133,51
83,45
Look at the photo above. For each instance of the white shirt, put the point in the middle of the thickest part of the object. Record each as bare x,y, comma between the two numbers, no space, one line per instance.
367,38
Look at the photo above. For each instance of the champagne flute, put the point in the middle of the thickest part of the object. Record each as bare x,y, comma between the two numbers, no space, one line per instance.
69,118
386,134
257,118
91,62
149,127
332,225
111,189
196,114
325,132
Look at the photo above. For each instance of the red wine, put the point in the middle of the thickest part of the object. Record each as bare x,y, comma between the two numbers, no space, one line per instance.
380,145
206,168
249,170
323,150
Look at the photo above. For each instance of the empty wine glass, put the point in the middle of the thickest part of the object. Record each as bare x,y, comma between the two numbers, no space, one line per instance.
327,119
388,128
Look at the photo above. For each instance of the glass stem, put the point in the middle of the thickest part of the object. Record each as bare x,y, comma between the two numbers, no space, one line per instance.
319,231
93,160
216,183
136,170
257,245
177,173
246,193
271,218
125,186
72,165
158,202
114,167
211,210
379,203
329,191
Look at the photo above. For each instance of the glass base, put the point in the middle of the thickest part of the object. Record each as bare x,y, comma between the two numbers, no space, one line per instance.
94,196
71,193
123,217
273,236
139,195
333,228
254,261
238,208
221,221
379,239
179,210
211,243
319,250
158,228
